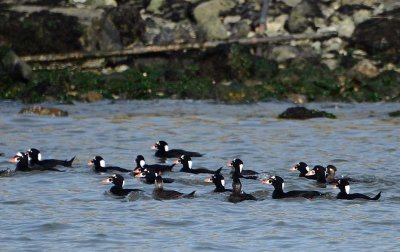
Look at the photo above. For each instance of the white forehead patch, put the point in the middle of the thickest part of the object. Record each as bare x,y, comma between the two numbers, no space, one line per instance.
223,182
166,148
142,163
39,157
190,164
102,163
347,188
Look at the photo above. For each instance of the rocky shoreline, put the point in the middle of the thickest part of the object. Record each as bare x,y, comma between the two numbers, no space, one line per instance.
359,63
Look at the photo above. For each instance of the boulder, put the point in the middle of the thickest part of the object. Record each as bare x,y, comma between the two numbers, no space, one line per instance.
365,68
301,16
302,113
380,36
207,16
283,53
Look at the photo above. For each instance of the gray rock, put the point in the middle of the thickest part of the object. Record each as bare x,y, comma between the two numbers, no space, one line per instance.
283,53
390,5
301,16
155,6
207,16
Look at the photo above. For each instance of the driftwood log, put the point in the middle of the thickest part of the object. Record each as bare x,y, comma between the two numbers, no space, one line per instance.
138,50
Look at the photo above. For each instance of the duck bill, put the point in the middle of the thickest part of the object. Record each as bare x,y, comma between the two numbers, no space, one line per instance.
293,168
266,181
90,162
177,161
229,164
208,180
138,175
310,173
154,147
13,159
106,181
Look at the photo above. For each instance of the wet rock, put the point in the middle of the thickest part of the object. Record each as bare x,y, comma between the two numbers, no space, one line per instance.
207,16
302,113
91,96
365,68
380,36
395,113
43,111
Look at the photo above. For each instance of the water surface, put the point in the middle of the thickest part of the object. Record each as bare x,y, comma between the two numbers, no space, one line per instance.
72,212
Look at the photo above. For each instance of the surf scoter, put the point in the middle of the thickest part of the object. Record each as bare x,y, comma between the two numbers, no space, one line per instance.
22,162
320,174
160,193
237,194
163,151
237,167
156,168
303,169
278,193
344,193
36,162
149,177
219,181
187,162
117,189
100,166
237,170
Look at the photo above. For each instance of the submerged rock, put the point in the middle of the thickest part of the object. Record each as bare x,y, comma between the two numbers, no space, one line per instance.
303,113
39,110
395,113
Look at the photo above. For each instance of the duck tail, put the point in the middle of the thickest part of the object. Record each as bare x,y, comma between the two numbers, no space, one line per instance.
377,196
69,162
190,195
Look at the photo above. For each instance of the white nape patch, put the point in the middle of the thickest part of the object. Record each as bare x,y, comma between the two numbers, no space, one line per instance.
190,164
241,168
102,163
166,148
307,168
123,183
283,186
142,163
223,182
347,189
39,157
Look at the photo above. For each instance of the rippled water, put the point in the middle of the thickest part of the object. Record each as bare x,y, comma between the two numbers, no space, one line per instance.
71,211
